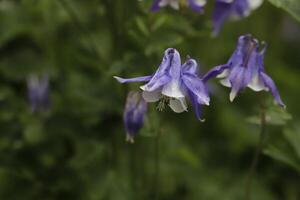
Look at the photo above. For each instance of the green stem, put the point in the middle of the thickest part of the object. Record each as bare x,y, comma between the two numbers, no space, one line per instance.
258,151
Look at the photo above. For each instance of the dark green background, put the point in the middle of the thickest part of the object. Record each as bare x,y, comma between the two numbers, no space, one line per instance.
77,150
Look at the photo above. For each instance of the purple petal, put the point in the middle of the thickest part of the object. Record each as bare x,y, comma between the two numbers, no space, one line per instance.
156,83
195,6
130,80
197,87
241,7
169,69
220,14
155,6
239,78
190,66
196,105
214,72
272,87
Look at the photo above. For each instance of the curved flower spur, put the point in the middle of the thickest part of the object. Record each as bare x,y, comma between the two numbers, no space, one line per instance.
244,69
195,5
172,82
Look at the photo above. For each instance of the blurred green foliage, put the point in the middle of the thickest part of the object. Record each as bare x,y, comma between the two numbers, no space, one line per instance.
77,150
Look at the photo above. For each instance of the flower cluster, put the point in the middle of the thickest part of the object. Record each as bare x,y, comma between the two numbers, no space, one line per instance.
173,82
223,9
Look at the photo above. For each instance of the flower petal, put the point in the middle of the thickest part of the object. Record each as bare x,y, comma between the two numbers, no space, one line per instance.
239,78
151,96
173,89
178,105
197,87
214,72
169,69
130,80
269,83
257,83
196,105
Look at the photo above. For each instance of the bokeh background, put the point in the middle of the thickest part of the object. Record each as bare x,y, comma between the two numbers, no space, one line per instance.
77,150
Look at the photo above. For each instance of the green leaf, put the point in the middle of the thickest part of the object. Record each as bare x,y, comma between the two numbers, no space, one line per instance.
291,6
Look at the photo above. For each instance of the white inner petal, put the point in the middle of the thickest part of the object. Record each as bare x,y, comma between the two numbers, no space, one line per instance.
224,74
172,89
178,105
151,96
257,84
253,4
225,82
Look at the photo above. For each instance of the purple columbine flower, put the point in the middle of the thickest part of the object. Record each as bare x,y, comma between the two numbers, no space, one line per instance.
245,68
165,84
38,93
134,114
237,8
172,82
196,5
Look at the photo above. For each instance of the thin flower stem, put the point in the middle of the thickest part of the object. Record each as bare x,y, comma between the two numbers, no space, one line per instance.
258,151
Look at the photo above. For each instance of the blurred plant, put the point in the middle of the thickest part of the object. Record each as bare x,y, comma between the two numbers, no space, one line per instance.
134,114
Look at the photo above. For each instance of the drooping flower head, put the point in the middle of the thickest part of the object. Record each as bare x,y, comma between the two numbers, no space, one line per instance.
165,83
226,8
38,93
245,68
172,82
196,5
134,114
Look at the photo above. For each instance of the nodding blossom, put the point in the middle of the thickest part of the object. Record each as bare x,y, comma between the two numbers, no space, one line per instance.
38,93
245,68
195,5
226,8
134,114
172,82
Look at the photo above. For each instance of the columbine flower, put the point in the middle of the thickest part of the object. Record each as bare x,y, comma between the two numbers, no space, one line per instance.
245,68
165,84
237,8
196,5
38,93
134,115
172,82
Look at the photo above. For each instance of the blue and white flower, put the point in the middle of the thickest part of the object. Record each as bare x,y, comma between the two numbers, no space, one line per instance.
244,69
172,82
236,8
